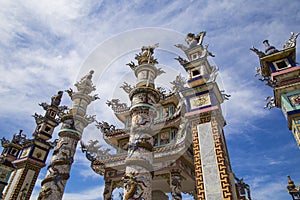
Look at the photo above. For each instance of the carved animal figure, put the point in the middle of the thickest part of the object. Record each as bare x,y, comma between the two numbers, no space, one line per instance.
258,71
55,100
115,103
44,105
181,46
213,74
258,52
37,117
59,145
90,118
181,60
105,127
57,178
176,188
93,150
224,95
208,53
53,144
19,138
192,39
86,82
95,97
291,41
4,141
242,186
45,192
178,83
131,65
139,142
159,71
132,185
271,102
146,55
70,92
126,87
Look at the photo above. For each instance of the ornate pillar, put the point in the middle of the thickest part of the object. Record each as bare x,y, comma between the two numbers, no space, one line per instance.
9,154
108,189
280,70
74,122
138,175
213,176
34,152
175,184
292,189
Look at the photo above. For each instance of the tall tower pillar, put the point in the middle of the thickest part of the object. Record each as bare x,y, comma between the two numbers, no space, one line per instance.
213,175
280,71
175,184
138,174
34,152
73,123
11,151
292,189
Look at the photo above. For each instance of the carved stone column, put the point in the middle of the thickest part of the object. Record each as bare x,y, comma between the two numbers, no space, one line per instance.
108,189
74,122
213,176
175,184
138,174
34,151
11,151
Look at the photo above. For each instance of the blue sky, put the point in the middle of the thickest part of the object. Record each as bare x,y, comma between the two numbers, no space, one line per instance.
46,46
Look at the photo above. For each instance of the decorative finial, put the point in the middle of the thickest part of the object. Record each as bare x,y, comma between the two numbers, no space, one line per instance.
146,56
291,42
56,99
193,40
19,138
269,49
85,85
291,184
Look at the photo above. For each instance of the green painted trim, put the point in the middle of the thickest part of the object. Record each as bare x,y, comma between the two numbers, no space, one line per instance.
286,104
69,130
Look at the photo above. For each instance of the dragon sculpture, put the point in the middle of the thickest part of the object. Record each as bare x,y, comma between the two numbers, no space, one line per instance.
133,184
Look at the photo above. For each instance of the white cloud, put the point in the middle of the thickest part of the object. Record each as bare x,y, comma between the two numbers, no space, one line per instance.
88,194
270,189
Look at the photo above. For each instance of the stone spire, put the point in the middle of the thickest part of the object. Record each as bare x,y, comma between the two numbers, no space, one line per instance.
34,151
138,175
11,151
280,71
292,189
73,124
213,175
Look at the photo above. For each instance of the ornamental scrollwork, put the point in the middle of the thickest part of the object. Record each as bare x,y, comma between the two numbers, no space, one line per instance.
105,127
93,150
126,87
134,186
115,104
